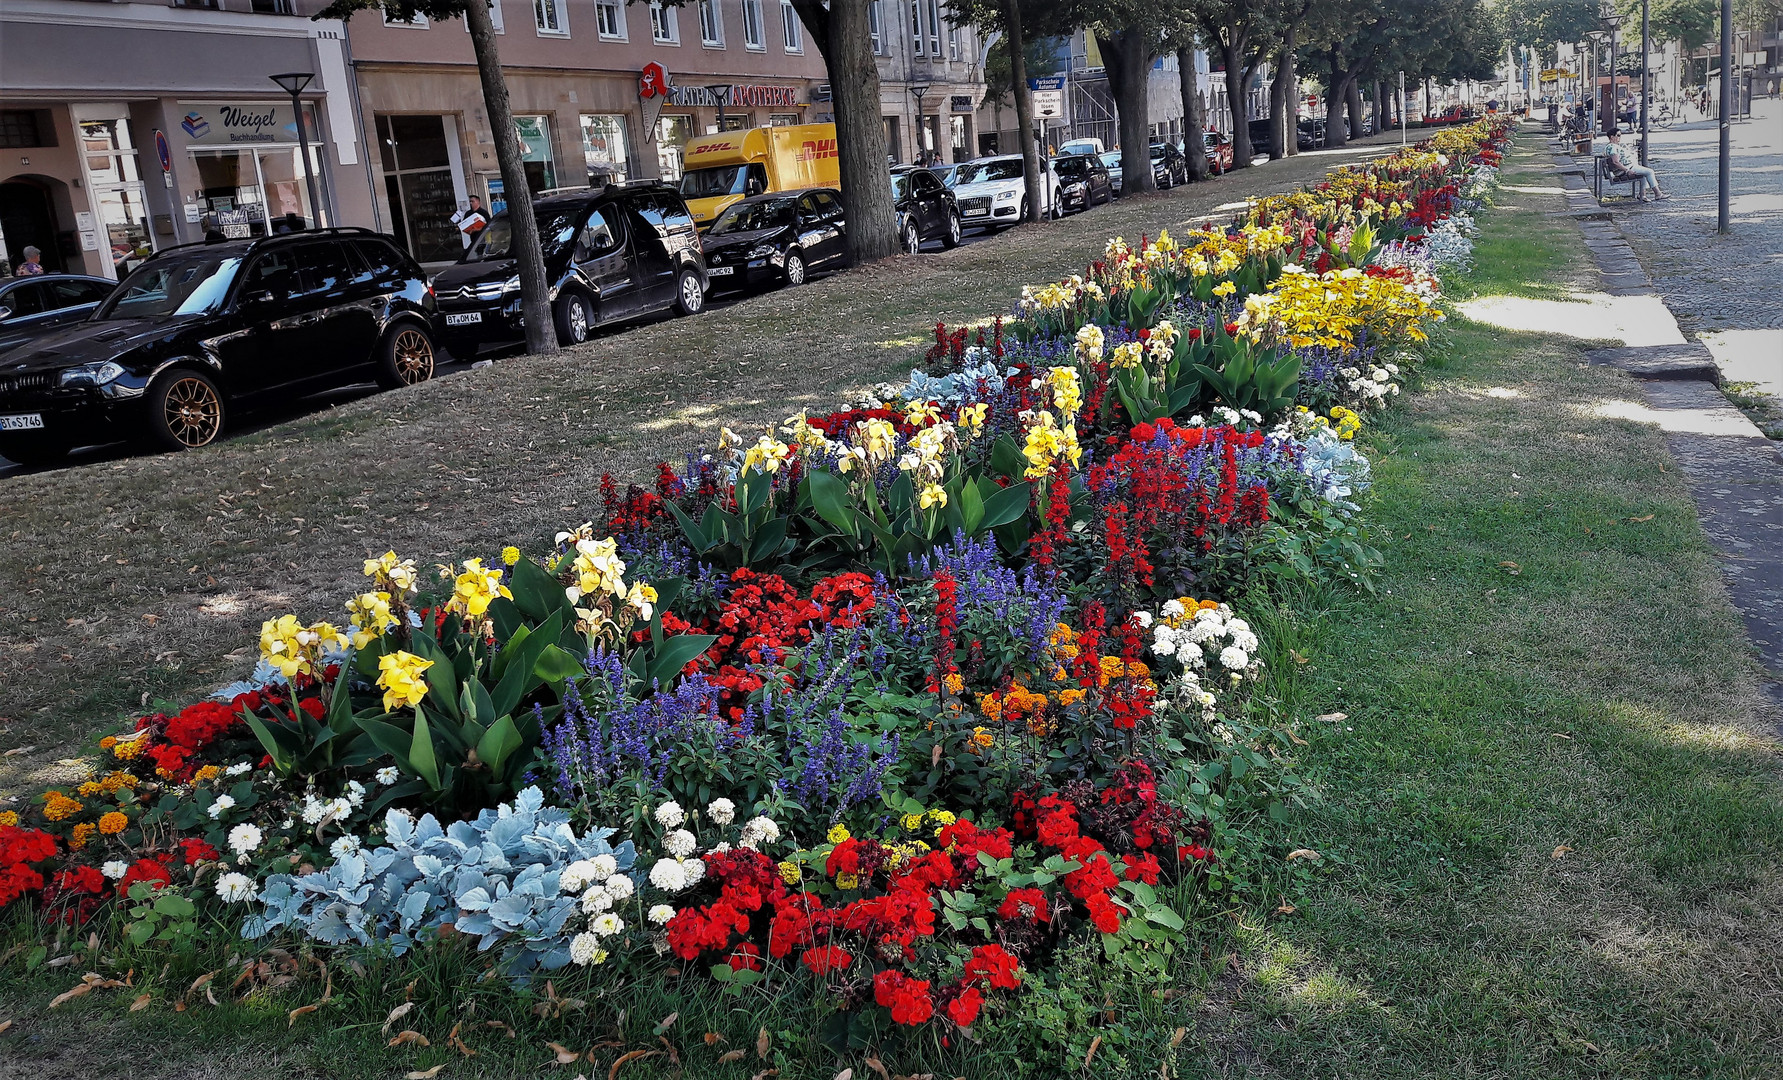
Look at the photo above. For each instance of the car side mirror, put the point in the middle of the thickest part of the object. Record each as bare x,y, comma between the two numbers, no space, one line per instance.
260,298
5,313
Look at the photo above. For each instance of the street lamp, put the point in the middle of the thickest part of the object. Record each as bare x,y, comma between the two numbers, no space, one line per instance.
293,82
1646,44
719,92
1613,20
920,91
1594,111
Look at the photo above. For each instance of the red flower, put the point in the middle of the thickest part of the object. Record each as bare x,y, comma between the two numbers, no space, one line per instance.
963,1010
1103,912
907,998
1025,904
1191,851
994,966
197,851
150,870
825,959
744,956
1141,868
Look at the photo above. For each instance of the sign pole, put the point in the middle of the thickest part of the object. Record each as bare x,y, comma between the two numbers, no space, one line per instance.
1722,224
1402,108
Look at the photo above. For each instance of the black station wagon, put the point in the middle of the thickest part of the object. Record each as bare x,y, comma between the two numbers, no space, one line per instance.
200,328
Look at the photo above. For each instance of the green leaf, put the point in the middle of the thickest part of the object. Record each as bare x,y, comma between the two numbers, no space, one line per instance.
971,505
1007,505
499,743
696,535
281,758
753,491
556,666
421,757
141,932
831,499
1006,458
536,593
1164,917
767,540
176,906
442,677
675,654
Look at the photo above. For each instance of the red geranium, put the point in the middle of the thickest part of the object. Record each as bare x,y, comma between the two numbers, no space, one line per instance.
963,1010
994,966
1025,904
826,958
907,998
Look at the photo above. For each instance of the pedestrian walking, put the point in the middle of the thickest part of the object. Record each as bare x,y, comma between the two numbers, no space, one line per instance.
33,264
471,221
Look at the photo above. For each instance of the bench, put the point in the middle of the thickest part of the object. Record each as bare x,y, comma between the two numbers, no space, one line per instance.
1604,175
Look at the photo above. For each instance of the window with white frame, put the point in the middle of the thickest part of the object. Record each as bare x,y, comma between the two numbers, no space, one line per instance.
916,27
793,30
876,26
753,35
934,21
663,26
550,17
609,19
711,24
953,42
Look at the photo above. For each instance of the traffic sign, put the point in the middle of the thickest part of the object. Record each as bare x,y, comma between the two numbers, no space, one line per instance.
1049,96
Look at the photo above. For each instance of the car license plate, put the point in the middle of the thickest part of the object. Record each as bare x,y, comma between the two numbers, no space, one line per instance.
977,213
719,271
22,422
465,318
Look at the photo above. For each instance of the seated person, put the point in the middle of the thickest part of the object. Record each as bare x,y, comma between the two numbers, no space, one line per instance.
1623,164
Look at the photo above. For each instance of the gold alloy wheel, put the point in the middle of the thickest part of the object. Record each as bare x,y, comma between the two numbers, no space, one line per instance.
414,357
193,412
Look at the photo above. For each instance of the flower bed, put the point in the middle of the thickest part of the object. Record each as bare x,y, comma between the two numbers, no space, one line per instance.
898,704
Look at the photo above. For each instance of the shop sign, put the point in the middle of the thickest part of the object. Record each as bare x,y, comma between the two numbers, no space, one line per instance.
232,123
960,103
653,82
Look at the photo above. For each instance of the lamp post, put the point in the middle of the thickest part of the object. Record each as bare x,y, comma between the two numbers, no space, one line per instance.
1594,100
1722,224
719,92
1610,122
920,91
293,82
1646,43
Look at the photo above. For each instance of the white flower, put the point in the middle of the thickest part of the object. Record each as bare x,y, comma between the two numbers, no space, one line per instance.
608,924
245,838
1189,654
234,888
1164,647
1172,608
680,843
346,845
596,900
661,914
238,769
1246,640
337,808
1234,658
1143,618
619,887
758,831
721,811
604,867
721,847
670,815
388,775
586,949
668,876
312,810
115,869
223,803
694,869
576,876
355,794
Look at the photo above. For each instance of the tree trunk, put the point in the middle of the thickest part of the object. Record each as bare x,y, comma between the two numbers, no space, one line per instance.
1128,63
1281,100
1194,118
1338,83
1024,105
1233,54
535,299
1293,69
1353,101
841,33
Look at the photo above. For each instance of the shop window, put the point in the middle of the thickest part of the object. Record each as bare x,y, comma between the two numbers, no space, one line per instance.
609,19
711,24
417,21
876,25
550,18
535,152
753,36
793,29
672,133
953,42
603,149
25,129
916,27
665,29
420,185
782,119
934,22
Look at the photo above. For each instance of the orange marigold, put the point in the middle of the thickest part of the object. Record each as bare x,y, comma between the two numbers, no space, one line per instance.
108,742
89,789
209,772
9,819
116,781
57,806
81,835
113,823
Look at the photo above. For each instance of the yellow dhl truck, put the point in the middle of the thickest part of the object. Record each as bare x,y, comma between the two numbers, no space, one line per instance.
721,169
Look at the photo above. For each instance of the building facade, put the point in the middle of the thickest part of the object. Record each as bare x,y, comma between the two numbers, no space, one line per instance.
931,81
127,127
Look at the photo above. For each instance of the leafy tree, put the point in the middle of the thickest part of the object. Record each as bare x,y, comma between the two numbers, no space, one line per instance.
535,300
1025,26
1242,34
1538,24
1695,23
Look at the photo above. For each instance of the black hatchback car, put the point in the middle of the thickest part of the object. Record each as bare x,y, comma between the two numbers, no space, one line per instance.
1083,182
926,210
1169,167
611,253
31,307
779,237
199,328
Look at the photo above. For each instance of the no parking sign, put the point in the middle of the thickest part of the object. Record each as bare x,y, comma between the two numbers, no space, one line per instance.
166,155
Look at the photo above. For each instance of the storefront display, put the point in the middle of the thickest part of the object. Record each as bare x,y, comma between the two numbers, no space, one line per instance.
535,152
422,181
672,133
603,148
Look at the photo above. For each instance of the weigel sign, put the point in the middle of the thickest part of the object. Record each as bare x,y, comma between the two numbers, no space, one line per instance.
230,123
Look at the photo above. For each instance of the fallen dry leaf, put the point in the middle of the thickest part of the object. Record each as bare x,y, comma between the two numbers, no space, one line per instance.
731,1055
1332,717
1512,567
1285,908
504,1025
5,1026
666,1023
565,1056
1648,517
1559,735
17,750
291,1017
141,1003
765,1073
1302,853
713,1038
202,980
1561,850
1095,1044
761,1044
1299,657
397,1014
845,1074
626,1059
69,995
457,1043
424,1074
1297,740
879,1067
1176,1037
407,1036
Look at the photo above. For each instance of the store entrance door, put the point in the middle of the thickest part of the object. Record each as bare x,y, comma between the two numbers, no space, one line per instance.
28,219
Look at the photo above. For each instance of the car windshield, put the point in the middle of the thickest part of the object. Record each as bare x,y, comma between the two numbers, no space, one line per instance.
1111,160
557,230
192,283
1157,150
1072,166
900,186
989,171
722,180
749,216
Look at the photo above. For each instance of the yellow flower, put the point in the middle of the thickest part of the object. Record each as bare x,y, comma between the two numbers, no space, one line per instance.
837,834
127,749
942,818
397,575
113,823
510,555
108,742
598,568
642,598
1224,288
293,647
919,413
972,418
879,439
932,496
789,873
954,682
88,789
1127,355
57,806
9,819
911,822
79,838
476,588
979,741
1089,343
208,772
370,615
401,674
767,455
848,881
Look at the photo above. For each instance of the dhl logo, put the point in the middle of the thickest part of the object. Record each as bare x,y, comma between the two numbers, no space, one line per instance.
709,147
814,149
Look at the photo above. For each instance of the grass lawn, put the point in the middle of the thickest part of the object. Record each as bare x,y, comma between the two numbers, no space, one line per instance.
1547,826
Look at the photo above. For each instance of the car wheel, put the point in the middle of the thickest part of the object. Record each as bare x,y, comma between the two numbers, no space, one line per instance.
1023,216
952,239
406,356
912,238
185,410
574,318
690,296
795,268
33,449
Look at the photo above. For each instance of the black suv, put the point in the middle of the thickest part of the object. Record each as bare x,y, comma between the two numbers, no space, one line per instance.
611,253
781,237
199,328
926,210
1169,167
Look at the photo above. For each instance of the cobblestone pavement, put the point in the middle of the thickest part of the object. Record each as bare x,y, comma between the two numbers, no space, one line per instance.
1712,282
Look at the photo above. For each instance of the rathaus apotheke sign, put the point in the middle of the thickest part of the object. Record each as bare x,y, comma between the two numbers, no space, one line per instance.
739,95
